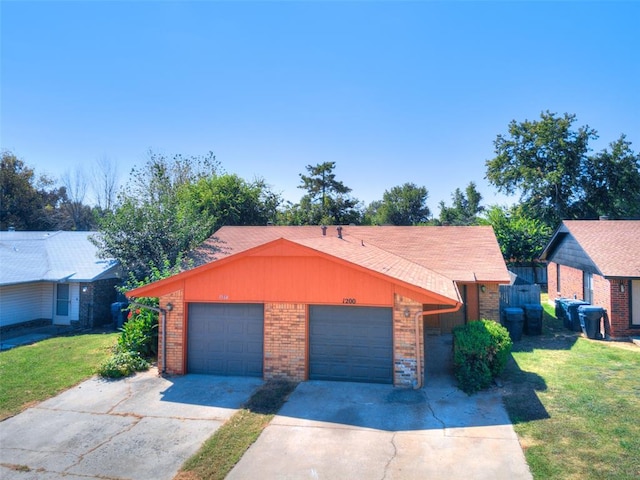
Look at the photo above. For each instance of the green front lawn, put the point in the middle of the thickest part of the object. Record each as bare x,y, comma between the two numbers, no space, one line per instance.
33,373
575,404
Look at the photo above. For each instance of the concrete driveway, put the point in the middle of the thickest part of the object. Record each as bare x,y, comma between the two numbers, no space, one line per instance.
332,430
143,427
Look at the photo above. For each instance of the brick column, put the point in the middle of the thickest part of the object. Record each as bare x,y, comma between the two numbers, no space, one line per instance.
405,350
175,344
285,341
490,302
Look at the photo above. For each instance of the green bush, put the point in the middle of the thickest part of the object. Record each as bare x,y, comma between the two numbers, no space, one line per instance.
140,333
138,341
480,353
122,364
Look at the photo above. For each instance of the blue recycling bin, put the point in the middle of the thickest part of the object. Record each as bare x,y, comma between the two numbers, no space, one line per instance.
572,313
590,320
513,320
533,319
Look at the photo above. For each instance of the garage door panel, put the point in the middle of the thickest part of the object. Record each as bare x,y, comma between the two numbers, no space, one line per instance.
350,344
225,339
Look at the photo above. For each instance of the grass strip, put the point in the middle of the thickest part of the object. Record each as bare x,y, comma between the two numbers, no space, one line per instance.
36,372
219,454
574,403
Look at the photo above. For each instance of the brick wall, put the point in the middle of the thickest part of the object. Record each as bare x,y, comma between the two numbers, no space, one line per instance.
95,303
620,312
489,302
552,277
285,341
606,294
405,353
175,343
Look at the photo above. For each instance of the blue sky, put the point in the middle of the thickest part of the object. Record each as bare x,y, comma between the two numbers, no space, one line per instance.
393,92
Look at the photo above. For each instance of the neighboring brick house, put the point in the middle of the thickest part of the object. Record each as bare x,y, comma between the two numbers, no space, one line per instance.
54,278
598,261
329,303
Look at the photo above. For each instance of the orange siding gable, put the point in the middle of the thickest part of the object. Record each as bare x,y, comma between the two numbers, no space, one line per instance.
286,272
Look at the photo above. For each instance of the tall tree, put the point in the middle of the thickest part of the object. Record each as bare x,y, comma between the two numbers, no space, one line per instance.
465,207
104,183
148,226
521,238
610,182
542,159
327,201
27,201
403,205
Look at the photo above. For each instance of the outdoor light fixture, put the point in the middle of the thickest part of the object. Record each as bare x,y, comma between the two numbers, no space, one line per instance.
169,307
406,312
622,288
483,288
84,289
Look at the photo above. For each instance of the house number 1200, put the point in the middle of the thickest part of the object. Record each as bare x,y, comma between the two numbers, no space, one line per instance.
350,301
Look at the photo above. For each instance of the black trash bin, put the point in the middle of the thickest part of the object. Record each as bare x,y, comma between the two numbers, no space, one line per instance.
590,317
572,313
513,320
533,319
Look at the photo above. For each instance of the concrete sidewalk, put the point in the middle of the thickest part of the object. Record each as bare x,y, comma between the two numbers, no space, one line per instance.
336,430
139,428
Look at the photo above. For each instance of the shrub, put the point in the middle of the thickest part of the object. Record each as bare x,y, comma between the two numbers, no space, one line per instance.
137,342
122,364
480,353
140,333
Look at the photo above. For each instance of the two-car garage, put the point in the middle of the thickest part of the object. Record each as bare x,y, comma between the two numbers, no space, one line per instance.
345,343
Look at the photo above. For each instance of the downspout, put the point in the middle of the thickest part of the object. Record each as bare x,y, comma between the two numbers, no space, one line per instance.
163,313
418,318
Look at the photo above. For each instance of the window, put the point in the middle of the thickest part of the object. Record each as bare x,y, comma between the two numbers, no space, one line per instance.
587,287
558,278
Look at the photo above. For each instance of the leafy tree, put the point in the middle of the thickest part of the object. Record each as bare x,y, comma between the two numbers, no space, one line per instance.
172,205
403,205
230,200
543,160
27,202
150,225
327,200
521,238
465,208
610,182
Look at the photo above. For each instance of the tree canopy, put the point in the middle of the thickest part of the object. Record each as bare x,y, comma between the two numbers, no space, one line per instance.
548,162
465,207
402,205
327,201
27,201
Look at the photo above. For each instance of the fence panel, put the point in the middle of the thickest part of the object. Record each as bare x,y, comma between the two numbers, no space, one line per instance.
519,295
532,275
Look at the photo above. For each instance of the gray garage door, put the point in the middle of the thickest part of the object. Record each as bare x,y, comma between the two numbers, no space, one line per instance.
353,344
225,339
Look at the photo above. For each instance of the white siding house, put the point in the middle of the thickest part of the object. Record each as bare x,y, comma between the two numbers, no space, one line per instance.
54,277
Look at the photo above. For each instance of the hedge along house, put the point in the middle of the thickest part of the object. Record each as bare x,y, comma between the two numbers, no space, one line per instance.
598,261
327,303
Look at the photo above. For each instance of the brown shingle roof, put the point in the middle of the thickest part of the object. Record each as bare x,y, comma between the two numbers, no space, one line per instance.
613,245
466,254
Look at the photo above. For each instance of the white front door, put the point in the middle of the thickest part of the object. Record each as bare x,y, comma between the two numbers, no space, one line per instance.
635,303
66,304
